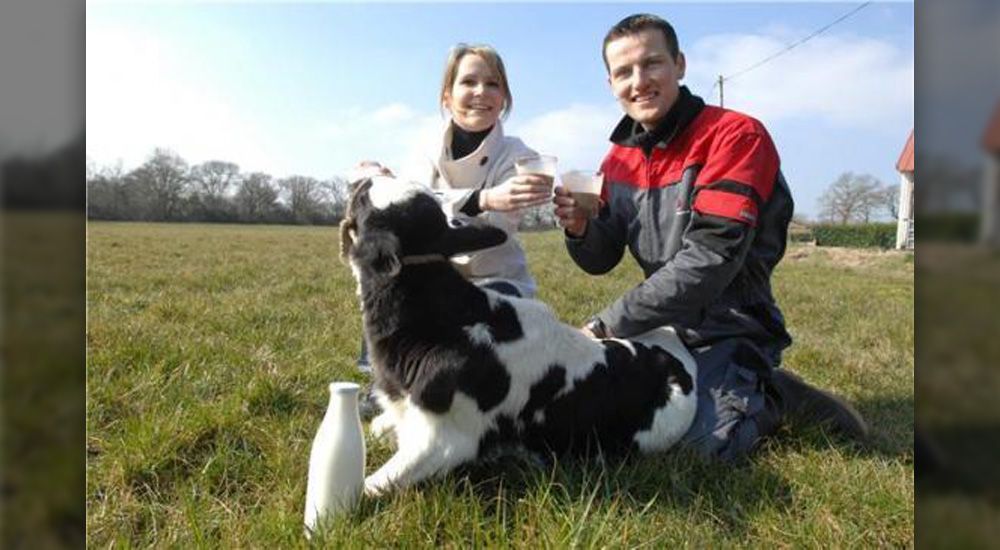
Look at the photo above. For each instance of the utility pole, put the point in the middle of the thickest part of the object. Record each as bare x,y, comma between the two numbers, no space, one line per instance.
720,91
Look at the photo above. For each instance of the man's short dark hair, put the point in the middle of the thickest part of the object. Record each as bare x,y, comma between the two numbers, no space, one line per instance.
633,24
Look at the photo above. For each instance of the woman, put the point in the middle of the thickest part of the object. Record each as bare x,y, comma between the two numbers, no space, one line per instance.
472,168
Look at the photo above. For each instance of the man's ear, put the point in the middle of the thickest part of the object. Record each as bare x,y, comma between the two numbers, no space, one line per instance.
469,238
681,65
379,252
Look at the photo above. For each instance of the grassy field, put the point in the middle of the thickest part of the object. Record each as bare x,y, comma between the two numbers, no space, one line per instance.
210,349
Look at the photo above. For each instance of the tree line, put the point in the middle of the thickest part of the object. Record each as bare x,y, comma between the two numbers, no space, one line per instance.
167,188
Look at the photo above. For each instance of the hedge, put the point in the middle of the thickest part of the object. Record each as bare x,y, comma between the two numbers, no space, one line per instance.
866,235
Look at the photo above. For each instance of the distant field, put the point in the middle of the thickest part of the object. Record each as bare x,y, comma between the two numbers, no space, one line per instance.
210,349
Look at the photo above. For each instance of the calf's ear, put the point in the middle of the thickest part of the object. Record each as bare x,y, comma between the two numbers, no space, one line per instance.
469,238
348,232
379,252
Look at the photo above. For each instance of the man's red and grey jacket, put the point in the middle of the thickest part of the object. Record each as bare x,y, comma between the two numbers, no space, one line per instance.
702,206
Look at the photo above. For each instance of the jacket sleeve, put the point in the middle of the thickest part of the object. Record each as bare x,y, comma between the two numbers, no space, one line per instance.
602,246
501,171
425,172
452,200
603,243
711,254
731,187
508,221
455,203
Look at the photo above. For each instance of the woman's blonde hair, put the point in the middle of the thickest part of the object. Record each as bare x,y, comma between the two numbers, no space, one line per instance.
492,59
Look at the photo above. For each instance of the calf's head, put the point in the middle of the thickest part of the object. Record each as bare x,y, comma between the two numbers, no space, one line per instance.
389,221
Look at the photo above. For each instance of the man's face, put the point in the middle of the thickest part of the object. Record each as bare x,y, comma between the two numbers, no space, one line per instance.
644,76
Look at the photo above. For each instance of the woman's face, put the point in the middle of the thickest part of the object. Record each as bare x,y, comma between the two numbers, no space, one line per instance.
475,99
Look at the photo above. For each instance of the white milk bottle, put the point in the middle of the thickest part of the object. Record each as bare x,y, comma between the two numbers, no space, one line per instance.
337,460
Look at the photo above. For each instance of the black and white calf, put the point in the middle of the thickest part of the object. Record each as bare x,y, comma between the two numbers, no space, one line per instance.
462,371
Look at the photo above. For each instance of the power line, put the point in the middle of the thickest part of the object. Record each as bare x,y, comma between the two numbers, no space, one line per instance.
784,50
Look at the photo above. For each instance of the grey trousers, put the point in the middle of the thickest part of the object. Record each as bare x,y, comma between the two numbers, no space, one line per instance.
734,411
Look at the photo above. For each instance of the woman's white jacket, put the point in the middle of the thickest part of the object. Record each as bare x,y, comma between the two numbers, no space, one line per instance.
455,181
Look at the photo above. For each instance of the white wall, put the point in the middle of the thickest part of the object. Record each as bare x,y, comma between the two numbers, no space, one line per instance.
905,208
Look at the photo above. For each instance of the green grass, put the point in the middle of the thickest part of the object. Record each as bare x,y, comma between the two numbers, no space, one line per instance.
210,348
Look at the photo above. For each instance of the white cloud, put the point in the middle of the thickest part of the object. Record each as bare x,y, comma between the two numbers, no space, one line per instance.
396,135
577,134
841,80
394,113
140,97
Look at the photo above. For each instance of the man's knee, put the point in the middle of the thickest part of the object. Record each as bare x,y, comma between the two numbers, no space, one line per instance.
734,415
734,444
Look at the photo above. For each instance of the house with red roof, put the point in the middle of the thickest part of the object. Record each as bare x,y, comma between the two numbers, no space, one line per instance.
904,221
989,226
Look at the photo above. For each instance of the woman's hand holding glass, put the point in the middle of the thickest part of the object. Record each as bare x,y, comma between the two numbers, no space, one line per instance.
521,191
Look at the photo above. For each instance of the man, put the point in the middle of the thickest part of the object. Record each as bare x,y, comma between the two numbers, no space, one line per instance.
696,194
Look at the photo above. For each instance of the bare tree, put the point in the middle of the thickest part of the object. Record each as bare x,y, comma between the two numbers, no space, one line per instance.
256,197
851,198
211,182
335,193
303,196
213,179
109,195
888,201
164,180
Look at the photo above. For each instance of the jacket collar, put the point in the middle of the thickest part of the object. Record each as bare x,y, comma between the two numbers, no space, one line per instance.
495,135
629,133
472,167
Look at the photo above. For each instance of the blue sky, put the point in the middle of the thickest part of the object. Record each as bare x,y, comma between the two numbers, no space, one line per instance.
312,88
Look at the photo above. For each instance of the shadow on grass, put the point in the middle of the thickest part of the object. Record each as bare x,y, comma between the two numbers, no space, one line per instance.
890,420
635,489
679,481
687,487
